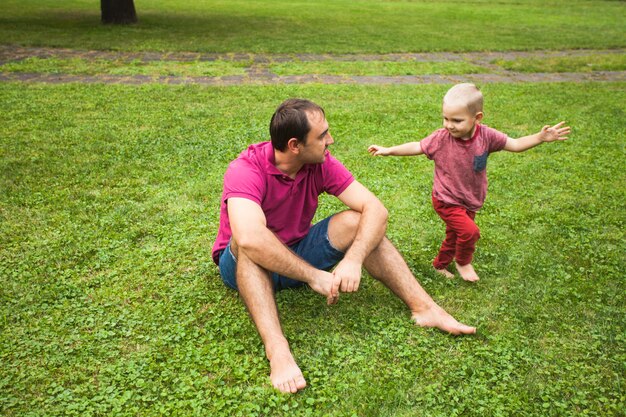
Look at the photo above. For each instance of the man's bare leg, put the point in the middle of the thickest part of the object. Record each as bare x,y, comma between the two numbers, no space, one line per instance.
467,272
256,289
386,264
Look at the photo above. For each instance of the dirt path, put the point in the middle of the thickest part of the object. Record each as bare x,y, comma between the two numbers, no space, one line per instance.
258,73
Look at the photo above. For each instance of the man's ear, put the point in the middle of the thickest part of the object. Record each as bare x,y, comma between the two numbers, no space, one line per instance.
292,145
479,116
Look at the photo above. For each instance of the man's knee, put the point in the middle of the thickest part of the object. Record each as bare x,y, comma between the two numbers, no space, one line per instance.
249,271
234,248
349,219
244,265
342,229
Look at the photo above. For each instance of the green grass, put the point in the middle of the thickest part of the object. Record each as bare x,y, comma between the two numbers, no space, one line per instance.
81,66
328,26
110,305
587,63
385,68
332,66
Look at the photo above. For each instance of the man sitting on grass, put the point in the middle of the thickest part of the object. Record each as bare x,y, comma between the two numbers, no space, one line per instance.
266,241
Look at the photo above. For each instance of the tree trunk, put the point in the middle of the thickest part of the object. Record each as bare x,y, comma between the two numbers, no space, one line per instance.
118,12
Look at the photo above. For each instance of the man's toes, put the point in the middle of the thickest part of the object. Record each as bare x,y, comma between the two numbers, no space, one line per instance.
300,382
292,386
461,328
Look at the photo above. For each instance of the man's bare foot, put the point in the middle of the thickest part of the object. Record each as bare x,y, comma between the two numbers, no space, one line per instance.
327,284
445,273
467,272
435,316
285,373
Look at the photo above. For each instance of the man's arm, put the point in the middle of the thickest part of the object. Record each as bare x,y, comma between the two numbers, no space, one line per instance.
547,134
251,235
406,149
370,231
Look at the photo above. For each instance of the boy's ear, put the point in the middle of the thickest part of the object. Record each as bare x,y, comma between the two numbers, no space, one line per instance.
479,116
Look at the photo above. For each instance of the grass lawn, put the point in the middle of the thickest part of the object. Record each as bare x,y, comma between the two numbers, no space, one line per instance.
121,67
277,64
199,68
588,63
387,68
110,305
323,26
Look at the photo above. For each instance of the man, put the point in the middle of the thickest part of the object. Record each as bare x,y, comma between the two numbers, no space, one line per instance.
266,242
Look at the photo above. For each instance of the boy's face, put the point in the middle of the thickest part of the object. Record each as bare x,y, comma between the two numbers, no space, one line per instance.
459,121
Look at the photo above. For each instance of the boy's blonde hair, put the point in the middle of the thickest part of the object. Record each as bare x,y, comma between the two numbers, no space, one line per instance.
465,94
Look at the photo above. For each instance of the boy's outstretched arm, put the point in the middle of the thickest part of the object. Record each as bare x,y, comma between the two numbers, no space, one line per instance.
406,149
547,134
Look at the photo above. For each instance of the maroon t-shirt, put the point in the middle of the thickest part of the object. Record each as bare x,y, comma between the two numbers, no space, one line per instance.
461,165
289,204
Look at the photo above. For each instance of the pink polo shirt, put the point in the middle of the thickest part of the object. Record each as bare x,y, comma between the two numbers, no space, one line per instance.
461,165
289,204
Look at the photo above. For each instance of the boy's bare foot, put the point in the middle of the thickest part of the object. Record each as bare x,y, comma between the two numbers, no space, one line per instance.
285,373
435,316
467,272
445,273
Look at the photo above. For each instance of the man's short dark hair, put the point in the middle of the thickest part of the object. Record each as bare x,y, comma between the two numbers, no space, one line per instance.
290,121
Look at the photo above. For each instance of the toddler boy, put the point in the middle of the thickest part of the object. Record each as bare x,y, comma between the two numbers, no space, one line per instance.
460,150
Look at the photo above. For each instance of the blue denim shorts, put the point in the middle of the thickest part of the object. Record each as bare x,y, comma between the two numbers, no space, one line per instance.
315,248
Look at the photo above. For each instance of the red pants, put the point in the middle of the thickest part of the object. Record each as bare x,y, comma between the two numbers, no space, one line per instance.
461,235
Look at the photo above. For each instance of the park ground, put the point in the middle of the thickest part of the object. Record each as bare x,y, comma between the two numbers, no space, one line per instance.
112,150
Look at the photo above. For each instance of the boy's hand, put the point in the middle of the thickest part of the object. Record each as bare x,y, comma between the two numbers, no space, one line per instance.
556,132
376,150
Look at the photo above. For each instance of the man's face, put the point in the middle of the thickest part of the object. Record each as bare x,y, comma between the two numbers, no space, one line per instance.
459,121
317,141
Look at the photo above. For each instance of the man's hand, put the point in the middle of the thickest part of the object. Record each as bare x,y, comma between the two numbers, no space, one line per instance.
327,284
376,150
349,272
556,132
333,297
